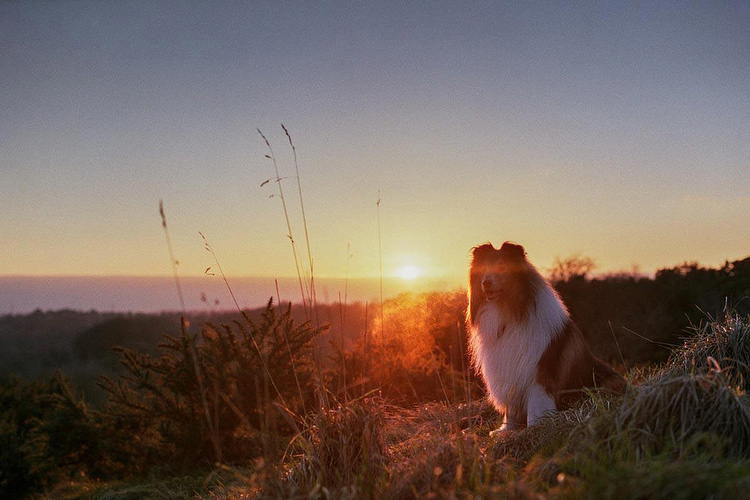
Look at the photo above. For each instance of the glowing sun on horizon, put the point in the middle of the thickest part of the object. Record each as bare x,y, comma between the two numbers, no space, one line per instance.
408,273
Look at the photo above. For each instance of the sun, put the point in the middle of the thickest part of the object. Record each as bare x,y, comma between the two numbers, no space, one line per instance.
408,273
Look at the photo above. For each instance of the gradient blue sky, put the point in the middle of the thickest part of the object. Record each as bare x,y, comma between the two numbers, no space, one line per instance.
618,130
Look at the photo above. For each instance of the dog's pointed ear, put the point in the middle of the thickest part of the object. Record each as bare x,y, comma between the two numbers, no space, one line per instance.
513,251
481,250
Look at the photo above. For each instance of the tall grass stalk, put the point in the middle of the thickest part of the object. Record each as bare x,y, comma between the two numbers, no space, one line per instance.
172,260
342,378
346,281
291,358
312,296
365,349
342,308
309,300
465,370
380,252
448,401
278,295
619,351
290,234
210,249
210,422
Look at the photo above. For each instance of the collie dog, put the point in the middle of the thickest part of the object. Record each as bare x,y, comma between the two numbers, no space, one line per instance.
531,355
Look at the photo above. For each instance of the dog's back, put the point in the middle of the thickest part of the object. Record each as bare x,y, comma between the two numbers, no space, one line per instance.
568,368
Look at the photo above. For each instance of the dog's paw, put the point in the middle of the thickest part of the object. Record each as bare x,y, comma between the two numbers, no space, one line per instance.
503,429
506,428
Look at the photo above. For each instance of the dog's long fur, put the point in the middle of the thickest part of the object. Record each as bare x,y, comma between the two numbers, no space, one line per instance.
533,358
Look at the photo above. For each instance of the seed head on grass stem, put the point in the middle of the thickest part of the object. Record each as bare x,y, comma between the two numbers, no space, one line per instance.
290,234
311,291
210,249
309,302
210,422
172,260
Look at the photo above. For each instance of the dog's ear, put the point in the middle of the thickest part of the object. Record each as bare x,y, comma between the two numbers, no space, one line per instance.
482,250
512,251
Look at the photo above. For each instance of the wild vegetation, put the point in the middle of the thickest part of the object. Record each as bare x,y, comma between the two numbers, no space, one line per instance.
211,415
376,400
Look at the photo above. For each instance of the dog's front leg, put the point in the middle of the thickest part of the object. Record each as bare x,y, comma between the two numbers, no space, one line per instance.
540,403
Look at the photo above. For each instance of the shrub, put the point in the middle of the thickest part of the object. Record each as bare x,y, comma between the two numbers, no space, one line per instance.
219,399
48,434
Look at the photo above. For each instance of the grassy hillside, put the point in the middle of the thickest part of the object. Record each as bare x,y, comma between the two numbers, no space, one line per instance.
681,431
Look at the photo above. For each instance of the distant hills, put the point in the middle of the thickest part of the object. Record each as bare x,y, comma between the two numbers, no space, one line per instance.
25,294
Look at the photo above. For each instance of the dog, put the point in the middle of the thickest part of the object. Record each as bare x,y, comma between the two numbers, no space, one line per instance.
531,355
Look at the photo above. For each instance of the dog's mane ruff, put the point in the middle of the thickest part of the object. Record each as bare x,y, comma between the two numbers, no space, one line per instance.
506,348
527,283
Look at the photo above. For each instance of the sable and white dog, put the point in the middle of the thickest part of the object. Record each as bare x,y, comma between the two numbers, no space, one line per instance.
533,358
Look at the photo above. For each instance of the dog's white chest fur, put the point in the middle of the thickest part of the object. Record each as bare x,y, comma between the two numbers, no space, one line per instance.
507,352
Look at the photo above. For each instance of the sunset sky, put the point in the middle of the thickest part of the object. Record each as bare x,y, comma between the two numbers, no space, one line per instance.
620,131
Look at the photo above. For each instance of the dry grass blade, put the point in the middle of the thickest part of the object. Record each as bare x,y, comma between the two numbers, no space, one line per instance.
172,259
312,296
210,422
290,234
261,356
343,446
380,253
726,342
677,411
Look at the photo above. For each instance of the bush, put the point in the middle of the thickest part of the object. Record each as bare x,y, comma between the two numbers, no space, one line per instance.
48,434
222,399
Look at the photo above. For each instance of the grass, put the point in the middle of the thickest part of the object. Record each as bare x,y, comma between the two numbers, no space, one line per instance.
223,483
680,412
681,432
716,347
343,448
